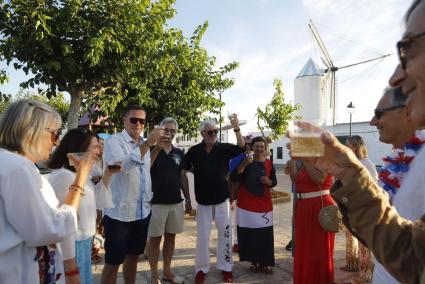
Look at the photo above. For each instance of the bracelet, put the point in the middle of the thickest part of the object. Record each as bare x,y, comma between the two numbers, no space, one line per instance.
72,272
76,188
237,129
187,200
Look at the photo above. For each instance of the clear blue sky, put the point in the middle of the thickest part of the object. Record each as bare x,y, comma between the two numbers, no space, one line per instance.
270,39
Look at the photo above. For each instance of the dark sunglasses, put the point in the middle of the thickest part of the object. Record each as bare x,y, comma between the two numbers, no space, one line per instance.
55,134
134,120
379,112
212,132
403,47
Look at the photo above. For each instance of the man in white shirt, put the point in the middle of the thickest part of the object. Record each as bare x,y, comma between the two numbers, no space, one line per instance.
126,225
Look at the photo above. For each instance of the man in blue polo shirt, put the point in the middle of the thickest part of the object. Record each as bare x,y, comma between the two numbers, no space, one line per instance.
168,178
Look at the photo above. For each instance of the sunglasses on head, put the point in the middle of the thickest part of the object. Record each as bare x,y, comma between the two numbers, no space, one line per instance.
134,120
55,134
379,112
211,132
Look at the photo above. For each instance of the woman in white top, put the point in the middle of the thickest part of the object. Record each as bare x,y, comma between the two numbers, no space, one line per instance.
77,248
359,257
31,222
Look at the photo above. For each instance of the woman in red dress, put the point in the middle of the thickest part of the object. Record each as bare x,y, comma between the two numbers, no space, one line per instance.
313,261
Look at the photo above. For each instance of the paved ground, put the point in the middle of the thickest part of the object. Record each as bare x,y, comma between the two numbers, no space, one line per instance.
183,261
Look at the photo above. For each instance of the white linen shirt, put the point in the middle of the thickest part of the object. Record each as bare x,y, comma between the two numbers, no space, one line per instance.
131,189
29,217
60,180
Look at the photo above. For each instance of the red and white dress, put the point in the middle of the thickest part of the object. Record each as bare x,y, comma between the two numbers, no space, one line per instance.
255,215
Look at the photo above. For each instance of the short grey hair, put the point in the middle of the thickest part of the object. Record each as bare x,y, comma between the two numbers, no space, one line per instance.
206,123
397,97
169,120
23,125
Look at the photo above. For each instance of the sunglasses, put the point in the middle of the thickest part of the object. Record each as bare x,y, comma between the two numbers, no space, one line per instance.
55,134
403,47
212,132
134,120
379,112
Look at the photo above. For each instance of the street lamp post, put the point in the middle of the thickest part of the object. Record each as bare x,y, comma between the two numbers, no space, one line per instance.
350,109
219,94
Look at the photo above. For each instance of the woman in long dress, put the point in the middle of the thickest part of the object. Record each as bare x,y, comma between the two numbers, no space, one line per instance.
313,260
357,256
255,210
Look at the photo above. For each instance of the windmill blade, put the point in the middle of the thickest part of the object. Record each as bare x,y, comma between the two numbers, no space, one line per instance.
321,45
328,68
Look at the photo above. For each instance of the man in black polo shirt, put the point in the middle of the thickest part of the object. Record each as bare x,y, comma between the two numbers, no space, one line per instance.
168,178
209,161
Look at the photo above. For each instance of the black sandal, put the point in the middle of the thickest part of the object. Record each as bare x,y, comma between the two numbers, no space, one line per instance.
265,269
254,267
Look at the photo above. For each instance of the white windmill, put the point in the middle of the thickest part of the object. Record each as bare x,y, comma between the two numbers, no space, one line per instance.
324,82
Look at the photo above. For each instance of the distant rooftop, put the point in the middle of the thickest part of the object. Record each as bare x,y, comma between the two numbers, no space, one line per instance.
310,69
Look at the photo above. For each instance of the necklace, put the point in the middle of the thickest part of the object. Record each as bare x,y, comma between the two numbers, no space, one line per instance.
397,164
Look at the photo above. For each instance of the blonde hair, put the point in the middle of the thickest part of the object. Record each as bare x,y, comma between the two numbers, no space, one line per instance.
357,141
23,124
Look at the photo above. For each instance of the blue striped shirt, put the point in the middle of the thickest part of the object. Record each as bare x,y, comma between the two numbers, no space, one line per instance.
131,189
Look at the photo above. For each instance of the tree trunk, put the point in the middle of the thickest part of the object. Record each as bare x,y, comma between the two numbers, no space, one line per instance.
74,109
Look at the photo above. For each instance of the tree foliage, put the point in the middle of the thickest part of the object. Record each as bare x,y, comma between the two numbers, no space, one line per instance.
112,52
276,114
5,100
184,86
58,102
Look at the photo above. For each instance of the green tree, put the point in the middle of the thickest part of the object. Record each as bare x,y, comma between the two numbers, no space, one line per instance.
5,101
276,114
118,51
57,102
185,85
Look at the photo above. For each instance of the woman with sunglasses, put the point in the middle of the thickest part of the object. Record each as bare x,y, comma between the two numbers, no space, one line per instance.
257,176
31,222
357,256
77,248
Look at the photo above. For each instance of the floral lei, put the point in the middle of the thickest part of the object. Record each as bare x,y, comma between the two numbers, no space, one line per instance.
396,165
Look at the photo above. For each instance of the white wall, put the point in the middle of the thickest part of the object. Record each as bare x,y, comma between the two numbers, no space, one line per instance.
307,93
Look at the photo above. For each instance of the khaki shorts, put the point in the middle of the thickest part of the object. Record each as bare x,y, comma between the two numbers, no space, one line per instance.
166,218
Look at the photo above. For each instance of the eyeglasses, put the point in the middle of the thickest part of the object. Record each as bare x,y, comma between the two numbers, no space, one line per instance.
171,131
212,132
379,112
403,47
134,120
55,134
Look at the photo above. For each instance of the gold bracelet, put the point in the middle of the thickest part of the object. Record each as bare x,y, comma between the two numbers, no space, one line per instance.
76,188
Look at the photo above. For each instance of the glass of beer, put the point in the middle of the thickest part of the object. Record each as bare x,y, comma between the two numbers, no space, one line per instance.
305,141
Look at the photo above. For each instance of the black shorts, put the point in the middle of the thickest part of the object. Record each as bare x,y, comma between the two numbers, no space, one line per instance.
122,238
